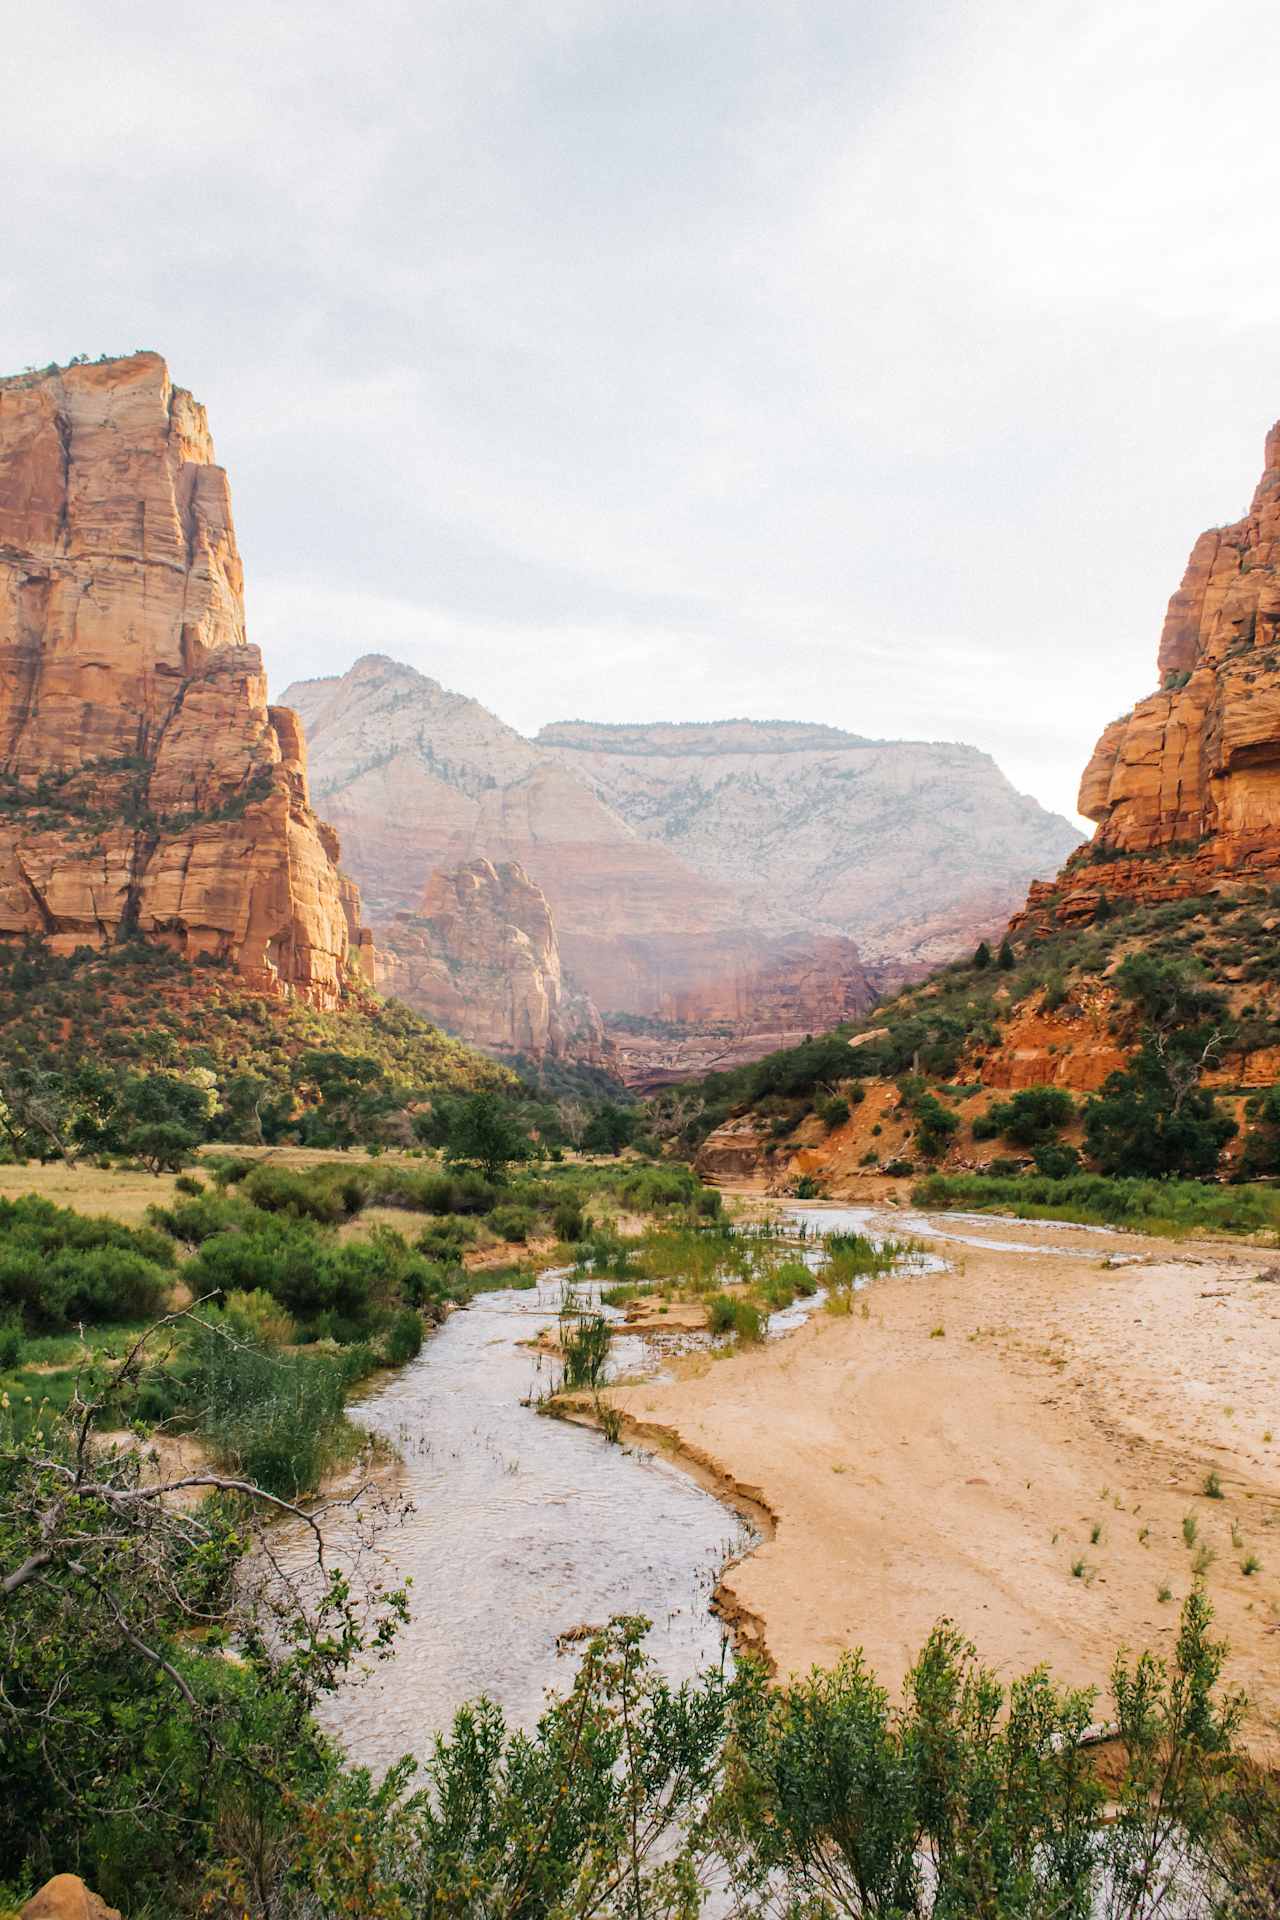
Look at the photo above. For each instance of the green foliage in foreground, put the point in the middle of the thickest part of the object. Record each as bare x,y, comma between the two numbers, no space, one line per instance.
180,1782
1155,1206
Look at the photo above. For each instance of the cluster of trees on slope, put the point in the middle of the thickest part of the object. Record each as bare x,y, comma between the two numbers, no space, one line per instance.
132,1052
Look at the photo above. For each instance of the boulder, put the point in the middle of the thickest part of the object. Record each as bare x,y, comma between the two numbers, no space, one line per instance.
66,1897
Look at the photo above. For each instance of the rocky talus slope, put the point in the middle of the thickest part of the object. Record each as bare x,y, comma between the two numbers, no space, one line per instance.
481,958
146,786
1186,787
713,886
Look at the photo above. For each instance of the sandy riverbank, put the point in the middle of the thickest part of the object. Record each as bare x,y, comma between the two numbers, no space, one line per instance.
953,1451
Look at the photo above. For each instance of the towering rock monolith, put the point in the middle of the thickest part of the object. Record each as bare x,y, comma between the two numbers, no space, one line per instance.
146,787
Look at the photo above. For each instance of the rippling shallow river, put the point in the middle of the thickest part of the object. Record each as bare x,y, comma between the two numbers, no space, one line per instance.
524,1527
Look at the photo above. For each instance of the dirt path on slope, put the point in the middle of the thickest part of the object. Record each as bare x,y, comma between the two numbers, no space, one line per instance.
954,1451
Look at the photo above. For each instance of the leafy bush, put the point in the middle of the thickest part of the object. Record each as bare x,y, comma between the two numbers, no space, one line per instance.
403,1338
935,1125
12,1341
316,1195
738,1317
834,1112
569,1221
1152,1121
1056,1161
1033,1115
512,1222
58,1266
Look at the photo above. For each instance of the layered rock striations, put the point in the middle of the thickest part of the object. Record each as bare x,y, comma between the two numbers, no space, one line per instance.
146,786
481,958
421,780
1186,788
910,848
719,883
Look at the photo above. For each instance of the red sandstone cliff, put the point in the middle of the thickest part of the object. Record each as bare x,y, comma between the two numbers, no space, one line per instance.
1186,788
146,787
481,958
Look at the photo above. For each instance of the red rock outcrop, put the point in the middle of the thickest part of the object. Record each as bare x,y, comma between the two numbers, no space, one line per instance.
146,787
481,958
1186,788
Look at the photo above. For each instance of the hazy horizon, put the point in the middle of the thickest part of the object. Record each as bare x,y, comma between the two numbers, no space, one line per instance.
824,363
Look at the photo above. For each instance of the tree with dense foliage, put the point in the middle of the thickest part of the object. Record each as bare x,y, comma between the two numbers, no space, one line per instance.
482,1130
935,1125
1156,1119
982,956
611,1129
1032,1116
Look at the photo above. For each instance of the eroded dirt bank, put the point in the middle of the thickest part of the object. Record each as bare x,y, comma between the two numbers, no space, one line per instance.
954,1451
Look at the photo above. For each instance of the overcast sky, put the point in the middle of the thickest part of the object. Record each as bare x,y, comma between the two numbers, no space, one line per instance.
638,359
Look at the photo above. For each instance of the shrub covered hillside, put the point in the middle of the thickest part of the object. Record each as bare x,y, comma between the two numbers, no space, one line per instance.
1145,1045
79,1037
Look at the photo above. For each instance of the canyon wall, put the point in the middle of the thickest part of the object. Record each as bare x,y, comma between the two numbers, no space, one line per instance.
1186,788
146,786
481,958
423,781
715,890
910,848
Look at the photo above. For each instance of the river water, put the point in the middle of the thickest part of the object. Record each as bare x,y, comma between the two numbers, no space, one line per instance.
522,1527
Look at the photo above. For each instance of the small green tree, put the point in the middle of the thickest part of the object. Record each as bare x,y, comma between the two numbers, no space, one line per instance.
480,1129
935,1125
611,1129
1005,958
982,956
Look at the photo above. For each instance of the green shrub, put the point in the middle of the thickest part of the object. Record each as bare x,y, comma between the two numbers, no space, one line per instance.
58,1266
1032,1116
569,1221
512,1222
1154,1205
403,1338
1056,1161
1148,1122
12,1342
738,1317
935,1125
288,1190
834,1112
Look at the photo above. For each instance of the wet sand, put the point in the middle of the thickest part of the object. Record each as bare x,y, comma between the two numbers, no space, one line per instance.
952,1452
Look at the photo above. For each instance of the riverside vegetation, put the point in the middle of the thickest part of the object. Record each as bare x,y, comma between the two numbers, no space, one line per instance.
158,1735
156,1720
